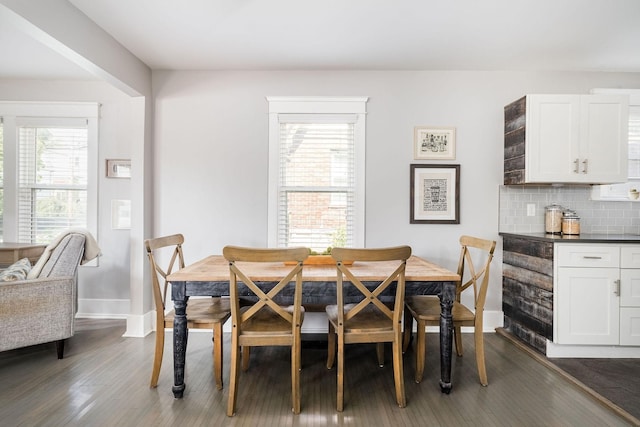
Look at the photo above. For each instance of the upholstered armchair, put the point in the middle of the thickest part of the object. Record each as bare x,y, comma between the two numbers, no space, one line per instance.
41,307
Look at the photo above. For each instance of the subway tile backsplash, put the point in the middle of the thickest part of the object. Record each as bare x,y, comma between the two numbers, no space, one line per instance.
596,216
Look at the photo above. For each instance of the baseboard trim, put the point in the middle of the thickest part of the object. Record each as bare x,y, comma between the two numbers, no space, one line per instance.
103,308
592,351
139,326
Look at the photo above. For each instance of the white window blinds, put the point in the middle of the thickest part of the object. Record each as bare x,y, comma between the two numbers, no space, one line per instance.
316,181
52,177
316,171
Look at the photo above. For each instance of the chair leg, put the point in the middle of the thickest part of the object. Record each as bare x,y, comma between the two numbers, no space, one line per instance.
398,370
340,394
380,353
421,332
246,357
295,374
408,326
157,358
479,342
217,354
331,346
234,375
457,333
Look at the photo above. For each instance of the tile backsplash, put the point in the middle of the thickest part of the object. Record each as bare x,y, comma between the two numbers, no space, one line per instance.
596,216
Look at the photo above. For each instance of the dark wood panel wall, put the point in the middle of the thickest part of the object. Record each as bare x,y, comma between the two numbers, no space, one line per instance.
527,290
514,141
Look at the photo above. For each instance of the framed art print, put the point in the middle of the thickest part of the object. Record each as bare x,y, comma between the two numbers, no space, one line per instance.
435,194
434,143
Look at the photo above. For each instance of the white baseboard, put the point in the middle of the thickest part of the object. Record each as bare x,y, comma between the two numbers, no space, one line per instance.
592,351
316,323
139,326
142,325
103,308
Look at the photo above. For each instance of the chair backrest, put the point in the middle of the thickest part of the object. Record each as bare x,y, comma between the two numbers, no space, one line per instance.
394,272
240,274
477,272
159,274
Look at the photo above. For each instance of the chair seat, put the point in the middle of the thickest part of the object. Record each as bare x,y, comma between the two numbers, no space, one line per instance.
202,312
267,321
427,308
369,319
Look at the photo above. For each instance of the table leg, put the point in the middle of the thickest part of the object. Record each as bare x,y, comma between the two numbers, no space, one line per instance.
179,344
446,334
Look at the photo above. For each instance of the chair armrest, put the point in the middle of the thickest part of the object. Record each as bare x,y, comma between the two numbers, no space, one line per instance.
37,311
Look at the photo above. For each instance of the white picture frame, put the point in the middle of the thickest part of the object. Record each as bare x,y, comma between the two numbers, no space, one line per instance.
434,143
118,168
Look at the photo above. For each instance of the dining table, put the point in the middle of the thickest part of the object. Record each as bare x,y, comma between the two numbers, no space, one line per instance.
210,277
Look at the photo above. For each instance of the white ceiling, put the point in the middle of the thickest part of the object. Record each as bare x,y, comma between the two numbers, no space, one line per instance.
584,35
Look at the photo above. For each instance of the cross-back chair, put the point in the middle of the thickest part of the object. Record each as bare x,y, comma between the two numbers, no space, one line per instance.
426,309
370,320
264,322
202,313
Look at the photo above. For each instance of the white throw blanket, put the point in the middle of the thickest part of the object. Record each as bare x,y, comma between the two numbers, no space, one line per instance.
91,250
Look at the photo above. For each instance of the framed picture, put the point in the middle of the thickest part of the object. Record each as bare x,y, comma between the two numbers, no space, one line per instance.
431,143
435,194
118,168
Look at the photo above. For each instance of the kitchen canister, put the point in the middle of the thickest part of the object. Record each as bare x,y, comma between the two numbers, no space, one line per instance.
570,223
553,219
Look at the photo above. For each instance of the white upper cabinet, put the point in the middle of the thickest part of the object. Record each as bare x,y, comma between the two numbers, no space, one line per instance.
566,139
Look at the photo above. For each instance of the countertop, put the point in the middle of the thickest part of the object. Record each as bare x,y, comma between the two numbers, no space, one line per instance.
581,238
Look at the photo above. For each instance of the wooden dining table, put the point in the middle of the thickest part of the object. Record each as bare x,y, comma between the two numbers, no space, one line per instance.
210,277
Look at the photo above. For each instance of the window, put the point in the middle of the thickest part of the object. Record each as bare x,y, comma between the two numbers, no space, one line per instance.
316,172
47,150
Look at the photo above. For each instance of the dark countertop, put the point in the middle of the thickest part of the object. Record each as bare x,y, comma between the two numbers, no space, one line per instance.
581,238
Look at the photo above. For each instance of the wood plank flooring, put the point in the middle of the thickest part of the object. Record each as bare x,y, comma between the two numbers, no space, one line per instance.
103,381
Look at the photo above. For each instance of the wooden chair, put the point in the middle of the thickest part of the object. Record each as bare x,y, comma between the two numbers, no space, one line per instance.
370,320
426,309
202,313
264,322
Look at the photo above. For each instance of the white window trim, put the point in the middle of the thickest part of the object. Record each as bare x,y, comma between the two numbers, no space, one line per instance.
280,105
10,111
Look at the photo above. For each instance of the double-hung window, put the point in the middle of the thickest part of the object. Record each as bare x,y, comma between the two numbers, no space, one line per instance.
49,162
316,172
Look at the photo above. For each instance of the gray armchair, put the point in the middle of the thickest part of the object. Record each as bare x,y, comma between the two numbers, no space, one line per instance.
42,309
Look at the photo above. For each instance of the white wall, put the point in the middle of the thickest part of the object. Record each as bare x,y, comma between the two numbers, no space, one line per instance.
211,138
102,290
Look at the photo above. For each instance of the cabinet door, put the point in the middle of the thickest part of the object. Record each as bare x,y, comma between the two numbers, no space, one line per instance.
604,132
587,306
630,326
630,288
552,138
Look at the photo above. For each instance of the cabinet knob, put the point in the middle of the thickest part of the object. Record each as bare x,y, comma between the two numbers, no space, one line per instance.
617,291
576,162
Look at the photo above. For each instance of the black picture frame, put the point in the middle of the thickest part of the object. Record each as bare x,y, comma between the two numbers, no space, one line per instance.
435,194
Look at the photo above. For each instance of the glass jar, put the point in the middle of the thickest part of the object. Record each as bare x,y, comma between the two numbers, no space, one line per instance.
553,219
570,223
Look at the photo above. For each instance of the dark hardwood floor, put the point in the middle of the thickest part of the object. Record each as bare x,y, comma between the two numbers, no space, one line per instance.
103,381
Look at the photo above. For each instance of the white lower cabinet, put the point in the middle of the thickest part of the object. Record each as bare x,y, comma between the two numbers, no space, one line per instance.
597,294
630,296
